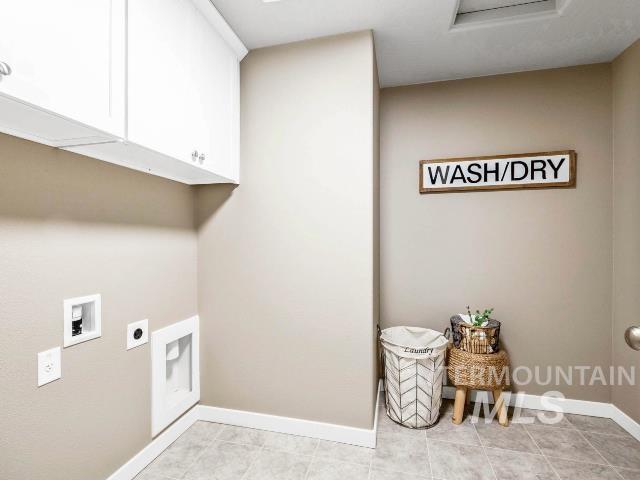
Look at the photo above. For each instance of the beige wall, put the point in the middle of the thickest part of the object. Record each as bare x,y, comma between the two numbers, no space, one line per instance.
541,258
626,221
72,226
285,259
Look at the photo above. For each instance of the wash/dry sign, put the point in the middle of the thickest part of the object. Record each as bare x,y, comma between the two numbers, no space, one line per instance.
500,172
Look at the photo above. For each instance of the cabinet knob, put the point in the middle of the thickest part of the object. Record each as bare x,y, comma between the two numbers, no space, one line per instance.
632,336
201,157
194,155
5,69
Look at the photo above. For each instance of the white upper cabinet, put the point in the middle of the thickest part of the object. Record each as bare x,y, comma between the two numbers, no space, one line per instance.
163,78
183,85
218,104
63,70
149,84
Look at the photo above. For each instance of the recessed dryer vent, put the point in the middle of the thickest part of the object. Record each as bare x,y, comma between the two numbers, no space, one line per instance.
178,373
472,12
175,372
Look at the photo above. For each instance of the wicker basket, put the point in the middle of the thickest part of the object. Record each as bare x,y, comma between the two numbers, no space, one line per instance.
477,371
475,339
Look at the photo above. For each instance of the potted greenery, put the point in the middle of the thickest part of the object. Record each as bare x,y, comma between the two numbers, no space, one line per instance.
476,332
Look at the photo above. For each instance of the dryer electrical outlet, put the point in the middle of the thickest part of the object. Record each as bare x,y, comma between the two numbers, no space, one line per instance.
137,333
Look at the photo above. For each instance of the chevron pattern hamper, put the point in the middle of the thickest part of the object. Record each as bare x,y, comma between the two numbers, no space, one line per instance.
413,376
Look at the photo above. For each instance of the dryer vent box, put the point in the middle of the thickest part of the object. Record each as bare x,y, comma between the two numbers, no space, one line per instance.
175,372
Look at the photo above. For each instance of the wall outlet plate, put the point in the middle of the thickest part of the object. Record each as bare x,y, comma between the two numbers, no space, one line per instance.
49,366
140,330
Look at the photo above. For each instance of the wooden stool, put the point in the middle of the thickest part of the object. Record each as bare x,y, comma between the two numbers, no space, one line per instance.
473,371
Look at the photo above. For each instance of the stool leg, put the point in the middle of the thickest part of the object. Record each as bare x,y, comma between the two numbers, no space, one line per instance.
501,408
458,406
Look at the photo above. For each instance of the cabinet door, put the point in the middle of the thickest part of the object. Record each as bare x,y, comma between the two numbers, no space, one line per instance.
67,57
183,90
161,72
218,102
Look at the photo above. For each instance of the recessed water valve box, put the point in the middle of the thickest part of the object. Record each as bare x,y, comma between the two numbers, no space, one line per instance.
137,334
82,319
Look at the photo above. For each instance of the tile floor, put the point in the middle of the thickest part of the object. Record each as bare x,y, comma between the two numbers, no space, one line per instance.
577,447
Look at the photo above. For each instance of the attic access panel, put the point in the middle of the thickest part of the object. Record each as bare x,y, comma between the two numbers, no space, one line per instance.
480,11
470,6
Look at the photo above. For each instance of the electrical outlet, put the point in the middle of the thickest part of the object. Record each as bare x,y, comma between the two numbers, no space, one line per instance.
137,334
49,366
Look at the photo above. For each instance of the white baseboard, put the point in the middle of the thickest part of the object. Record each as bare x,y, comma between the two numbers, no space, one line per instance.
306,428
148,454
625,421
294,426
343,434
538,402
565,405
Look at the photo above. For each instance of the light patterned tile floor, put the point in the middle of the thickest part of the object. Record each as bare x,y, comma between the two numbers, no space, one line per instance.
575,447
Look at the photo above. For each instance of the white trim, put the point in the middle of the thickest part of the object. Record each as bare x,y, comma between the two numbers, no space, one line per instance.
148,454
538,402
375,418
294,426
565,405
324,431
212,14
625,421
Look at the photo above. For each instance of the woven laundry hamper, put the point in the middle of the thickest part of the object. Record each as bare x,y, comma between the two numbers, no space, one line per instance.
413,361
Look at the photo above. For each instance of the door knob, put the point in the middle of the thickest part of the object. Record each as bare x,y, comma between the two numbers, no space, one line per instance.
632,336
5,69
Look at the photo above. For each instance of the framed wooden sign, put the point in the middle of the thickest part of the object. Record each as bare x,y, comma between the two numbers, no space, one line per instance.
499,172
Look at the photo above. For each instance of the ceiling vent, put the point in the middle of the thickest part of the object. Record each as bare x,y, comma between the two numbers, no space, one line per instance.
482,11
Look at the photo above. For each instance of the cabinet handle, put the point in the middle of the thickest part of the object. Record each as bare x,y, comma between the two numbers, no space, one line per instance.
5,69
194,155
202,157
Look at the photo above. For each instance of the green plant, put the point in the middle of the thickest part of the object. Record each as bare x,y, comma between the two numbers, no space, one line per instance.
478,318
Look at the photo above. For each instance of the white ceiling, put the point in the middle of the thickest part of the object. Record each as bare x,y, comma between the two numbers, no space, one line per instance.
415,42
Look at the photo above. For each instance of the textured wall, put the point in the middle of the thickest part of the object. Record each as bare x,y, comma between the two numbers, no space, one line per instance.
542,258
286,271
626,221
72,226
